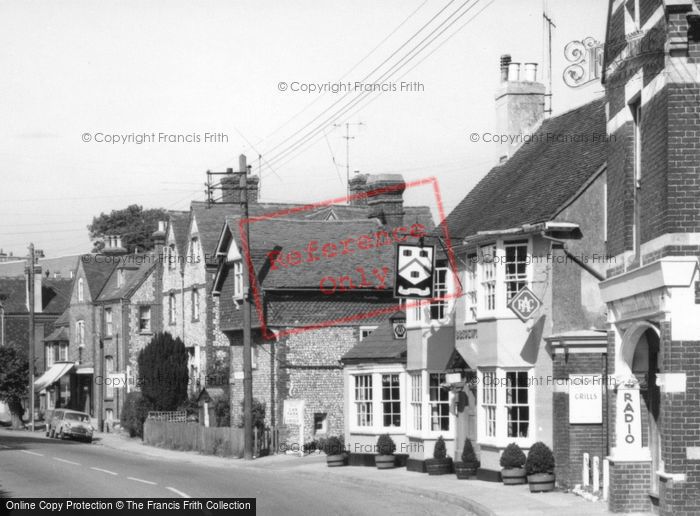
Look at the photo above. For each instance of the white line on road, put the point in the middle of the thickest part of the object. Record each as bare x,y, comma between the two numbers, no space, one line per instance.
105,471
142,480
66,461
32,453
184,495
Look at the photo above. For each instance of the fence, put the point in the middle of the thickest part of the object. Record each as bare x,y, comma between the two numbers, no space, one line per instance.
222,441
173,416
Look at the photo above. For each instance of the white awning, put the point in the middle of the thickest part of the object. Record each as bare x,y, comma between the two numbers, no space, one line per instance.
52,375
85,370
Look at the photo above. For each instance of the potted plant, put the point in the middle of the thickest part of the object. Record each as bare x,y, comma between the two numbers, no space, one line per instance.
385,452
440,464
540,468
513,462
334,448
467,467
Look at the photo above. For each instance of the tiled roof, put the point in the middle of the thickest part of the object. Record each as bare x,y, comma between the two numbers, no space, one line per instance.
308,308
14,290
539,178
59,334
286,235
379,346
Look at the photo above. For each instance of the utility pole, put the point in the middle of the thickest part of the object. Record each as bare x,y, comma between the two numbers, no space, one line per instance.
247,356
547,20
30,303
347,150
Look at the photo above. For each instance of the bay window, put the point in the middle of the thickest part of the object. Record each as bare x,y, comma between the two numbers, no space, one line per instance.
439,403
391,400
363,399
516,267
506,411
416,401
488,277
63,351
470,295
438,308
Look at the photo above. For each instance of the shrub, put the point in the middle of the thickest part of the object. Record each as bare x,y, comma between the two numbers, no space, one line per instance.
512,457
385,445
333,446
258,414
134,413
191,407
163,375
440,450
222,411
311,446
540,459
468,455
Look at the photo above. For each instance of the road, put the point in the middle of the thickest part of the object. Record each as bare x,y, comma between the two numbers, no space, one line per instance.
32,465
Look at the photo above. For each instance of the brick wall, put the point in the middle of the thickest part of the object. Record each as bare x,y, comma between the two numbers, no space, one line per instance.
629,486
571,441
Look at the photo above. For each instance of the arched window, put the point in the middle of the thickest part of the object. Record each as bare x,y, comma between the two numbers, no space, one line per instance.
81,290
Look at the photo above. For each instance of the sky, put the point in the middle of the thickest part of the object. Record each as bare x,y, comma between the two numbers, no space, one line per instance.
75,73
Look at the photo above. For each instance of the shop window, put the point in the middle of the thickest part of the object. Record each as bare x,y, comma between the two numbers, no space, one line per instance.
517,407
489,402
417,401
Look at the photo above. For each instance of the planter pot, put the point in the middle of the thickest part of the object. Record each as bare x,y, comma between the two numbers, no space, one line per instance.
541,482
334,461
513,476
384,461
439,466
465,470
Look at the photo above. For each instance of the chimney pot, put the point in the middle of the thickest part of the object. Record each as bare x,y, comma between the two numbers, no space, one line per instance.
530,72
242,160
505,61
514,72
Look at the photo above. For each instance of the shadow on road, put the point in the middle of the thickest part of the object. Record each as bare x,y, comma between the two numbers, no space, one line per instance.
20,439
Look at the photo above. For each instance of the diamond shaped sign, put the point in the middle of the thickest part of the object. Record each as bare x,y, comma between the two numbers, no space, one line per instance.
524,304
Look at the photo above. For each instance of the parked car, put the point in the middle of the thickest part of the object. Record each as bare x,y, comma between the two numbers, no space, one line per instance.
70,423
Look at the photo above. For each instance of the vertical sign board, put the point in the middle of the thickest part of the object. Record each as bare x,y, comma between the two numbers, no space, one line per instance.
628,425
415,265
294,415
585,399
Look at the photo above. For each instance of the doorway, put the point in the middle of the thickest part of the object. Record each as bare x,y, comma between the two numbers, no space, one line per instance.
645,367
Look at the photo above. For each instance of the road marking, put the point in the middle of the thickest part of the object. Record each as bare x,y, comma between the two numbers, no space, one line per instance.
142,480
66,461
32,453
184,495
105,471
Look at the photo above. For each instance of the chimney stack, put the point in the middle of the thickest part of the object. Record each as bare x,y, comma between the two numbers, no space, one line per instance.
37,287
386,198
232,187
358,185
113,245
519,103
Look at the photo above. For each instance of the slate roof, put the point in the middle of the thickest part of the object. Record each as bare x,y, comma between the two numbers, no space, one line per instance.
59,334
539,178
61,265
136,269
412,214
55,295
379,346
97,273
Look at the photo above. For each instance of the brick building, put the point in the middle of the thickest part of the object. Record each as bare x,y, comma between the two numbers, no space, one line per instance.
652,82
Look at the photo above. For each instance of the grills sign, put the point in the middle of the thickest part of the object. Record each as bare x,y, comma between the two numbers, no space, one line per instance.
524,304
414,271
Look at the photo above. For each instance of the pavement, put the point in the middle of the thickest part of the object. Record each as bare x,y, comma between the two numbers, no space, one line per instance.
35,466
476,496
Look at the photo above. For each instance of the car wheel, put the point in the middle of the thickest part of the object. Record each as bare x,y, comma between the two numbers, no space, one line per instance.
88,440
60,434
52,433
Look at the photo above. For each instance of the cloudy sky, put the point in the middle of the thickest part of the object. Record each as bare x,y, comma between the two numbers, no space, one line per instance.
73,71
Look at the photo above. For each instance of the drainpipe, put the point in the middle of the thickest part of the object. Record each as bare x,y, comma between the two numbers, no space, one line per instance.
560,244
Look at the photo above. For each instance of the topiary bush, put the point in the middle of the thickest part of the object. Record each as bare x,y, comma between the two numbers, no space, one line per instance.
385,445
134,413
440,450
333,446
468,455
513,457
163,374
540,459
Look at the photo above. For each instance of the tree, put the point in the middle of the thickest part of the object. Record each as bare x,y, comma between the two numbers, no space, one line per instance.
163,372
134,224
14,374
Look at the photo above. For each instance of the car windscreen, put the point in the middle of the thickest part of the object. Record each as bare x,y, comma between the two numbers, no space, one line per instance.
77,417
